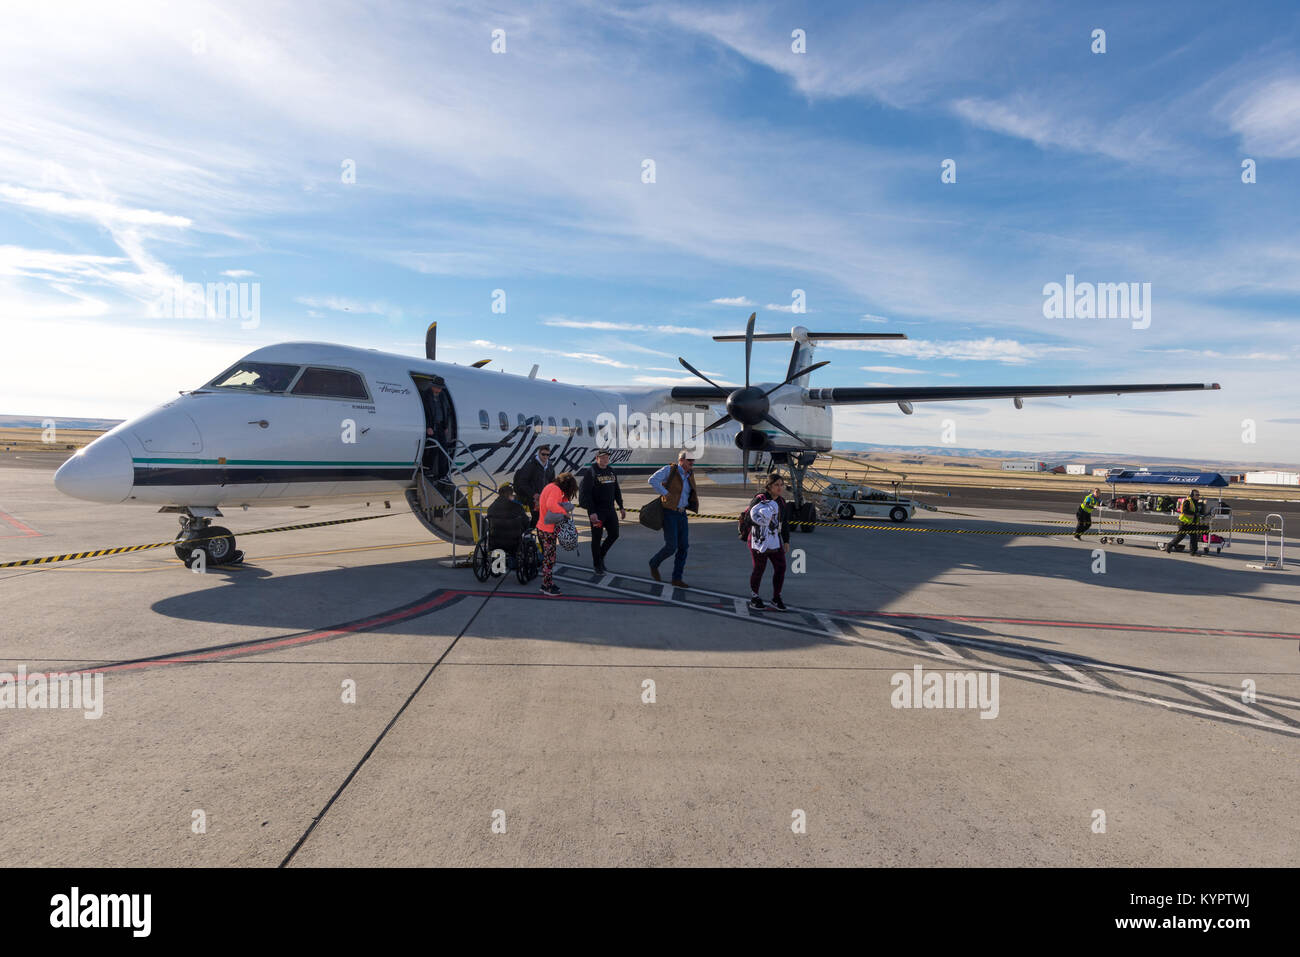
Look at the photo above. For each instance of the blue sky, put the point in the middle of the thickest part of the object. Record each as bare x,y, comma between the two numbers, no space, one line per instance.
195,140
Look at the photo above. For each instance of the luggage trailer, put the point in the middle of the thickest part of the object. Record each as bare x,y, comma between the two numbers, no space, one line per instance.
1217,518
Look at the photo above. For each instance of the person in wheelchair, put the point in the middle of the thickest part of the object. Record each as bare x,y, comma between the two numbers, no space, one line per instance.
507,523
507,532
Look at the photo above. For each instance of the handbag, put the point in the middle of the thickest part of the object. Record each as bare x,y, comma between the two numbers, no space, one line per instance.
652,515
566,535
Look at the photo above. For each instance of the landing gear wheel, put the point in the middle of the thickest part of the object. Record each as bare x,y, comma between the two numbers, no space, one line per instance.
845,511
216,543
898,514
481,561
808,517
1119,541
526,564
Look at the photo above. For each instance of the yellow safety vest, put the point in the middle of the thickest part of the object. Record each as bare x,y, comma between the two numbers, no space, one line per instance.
1089,503
1188,515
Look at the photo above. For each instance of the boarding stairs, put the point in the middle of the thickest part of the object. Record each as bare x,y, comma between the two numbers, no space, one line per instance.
449,508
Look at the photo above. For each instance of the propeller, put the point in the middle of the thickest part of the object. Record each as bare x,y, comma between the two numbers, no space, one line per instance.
749,405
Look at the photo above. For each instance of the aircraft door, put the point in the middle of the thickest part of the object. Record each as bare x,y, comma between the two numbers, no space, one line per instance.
440,430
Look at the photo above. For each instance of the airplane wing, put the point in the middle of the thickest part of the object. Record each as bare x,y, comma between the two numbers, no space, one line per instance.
865,395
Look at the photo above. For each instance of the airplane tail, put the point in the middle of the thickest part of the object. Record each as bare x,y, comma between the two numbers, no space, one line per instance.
801,358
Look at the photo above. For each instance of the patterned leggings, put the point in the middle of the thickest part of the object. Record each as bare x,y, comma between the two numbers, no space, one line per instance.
548,555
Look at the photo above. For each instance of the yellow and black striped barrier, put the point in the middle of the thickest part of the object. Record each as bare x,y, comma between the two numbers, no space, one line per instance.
123,549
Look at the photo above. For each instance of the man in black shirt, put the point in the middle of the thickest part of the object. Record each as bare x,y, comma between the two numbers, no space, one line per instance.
598,495
533,476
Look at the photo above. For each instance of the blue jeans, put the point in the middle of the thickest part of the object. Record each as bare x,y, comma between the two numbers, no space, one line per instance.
677,538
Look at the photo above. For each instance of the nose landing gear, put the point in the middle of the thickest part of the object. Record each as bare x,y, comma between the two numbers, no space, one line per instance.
199,534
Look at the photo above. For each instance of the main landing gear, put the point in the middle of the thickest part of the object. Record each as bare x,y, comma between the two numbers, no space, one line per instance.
804,517
199,534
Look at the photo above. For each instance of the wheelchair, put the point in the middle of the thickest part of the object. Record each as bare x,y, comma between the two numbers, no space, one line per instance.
525,560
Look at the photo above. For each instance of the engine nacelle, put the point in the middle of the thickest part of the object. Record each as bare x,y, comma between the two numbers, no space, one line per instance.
752,440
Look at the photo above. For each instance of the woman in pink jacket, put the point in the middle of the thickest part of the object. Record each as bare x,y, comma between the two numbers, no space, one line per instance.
553,507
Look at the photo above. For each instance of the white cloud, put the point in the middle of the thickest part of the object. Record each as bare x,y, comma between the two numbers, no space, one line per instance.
895,370
603,326
592,357
1267,118
868,317
989,349
95,210
732,301
238,273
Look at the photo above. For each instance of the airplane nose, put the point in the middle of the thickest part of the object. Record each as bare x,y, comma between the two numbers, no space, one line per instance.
101,472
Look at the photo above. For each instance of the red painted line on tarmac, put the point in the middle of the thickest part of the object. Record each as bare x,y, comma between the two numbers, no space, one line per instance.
26,530
367,624
1096,625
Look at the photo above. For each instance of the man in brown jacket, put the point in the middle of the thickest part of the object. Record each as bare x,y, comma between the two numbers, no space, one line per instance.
676,487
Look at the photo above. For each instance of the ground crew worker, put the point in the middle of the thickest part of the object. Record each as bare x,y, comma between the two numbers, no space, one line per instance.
1084,514
1187,525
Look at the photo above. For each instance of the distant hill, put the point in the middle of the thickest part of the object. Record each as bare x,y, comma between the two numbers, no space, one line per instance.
1058,456
38,422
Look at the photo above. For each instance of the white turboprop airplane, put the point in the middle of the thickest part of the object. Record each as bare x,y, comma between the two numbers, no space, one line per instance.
301,423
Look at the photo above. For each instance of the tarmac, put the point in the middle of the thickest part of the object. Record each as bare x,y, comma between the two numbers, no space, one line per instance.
347,697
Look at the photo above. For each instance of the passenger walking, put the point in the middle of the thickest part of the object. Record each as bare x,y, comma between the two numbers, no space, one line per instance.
599,494
676,487
532,477
769,540
1084,513
554,507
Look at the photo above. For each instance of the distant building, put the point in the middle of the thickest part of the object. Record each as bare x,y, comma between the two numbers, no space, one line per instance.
1273,478
1023,465
1076,470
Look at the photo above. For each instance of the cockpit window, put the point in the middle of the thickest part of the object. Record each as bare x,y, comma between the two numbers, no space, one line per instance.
255,377
332,384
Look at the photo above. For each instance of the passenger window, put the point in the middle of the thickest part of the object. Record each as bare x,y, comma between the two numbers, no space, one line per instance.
504,421
591,428
564,423
550,424
483,421
537,424
331,384
522,420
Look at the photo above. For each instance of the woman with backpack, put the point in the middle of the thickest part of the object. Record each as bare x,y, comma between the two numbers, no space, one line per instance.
766,526
553,510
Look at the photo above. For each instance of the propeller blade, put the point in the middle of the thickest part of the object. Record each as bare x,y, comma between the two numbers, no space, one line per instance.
771,421
749,346
812,368
690,368
722,421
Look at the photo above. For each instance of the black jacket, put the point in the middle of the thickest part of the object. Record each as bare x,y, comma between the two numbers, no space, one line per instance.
599,491
531,478
507,520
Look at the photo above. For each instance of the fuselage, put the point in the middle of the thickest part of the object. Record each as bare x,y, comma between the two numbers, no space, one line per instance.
350,426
